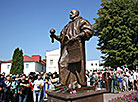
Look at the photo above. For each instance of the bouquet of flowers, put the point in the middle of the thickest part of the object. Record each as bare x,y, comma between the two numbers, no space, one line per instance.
71,88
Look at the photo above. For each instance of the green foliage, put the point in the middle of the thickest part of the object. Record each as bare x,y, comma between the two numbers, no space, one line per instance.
17,62
117,30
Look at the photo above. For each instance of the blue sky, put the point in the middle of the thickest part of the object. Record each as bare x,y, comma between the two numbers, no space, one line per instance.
26,24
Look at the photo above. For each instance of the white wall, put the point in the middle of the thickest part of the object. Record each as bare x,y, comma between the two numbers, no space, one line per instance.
5,67
52,55
28,67
55,54
92,65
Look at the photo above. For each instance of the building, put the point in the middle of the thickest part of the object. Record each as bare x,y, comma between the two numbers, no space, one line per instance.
53,57
93,65
31,64
52,60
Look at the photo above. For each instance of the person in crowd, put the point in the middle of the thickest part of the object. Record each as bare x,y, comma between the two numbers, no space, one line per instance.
38,85
120,80
114,88
137,82
88,79
14,90
41,74
7,92
100,79
53,81
2,85
135,75
17,81
109,80
91,74
87,72
44,87
131,80
23,89
94,78
125,82
106,80
30,92
47,84
3,74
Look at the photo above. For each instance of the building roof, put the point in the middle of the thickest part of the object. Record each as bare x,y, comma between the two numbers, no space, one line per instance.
53,50
9,61
34,58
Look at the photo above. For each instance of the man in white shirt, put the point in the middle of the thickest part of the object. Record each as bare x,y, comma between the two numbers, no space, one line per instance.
135,74
38,84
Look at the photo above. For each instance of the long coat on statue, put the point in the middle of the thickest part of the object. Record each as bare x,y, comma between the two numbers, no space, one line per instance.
72,59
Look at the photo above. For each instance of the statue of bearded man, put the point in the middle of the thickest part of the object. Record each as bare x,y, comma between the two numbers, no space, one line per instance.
72,59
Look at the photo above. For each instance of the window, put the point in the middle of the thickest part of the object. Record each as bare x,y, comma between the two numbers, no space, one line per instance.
8,66
51,62
27,65
91,64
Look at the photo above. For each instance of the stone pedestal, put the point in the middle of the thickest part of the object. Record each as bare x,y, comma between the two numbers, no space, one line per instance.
96,96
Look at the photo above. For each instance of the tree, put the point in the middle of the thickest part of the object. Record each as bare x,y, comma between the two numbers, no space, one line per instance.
17,62
117,30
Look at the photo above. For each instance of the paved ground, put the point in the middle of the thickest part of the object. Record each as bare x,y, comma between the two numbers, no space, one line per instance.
110,96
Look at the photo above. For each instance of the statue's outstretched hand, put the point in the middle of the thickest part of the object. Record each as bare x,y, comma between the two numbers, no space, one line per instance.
52,34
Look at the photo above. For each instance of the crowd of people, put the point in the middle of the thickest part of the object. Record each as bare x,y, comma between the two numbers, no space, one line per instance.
31,88
22,88
114,81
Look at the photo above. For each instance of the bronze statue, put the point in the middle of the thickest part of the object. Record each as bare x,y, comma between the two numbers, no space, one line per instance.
72,59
